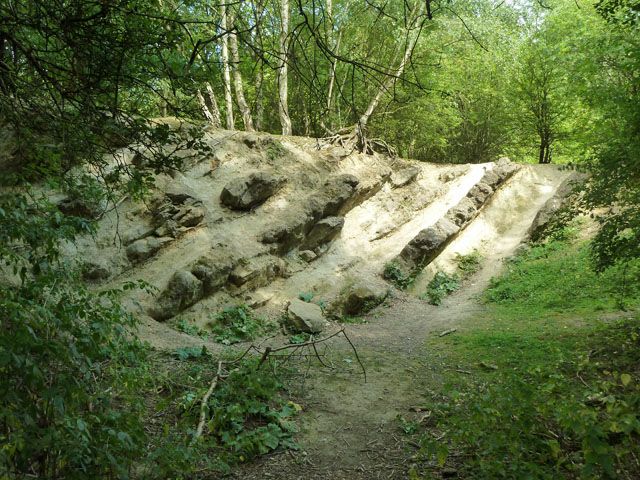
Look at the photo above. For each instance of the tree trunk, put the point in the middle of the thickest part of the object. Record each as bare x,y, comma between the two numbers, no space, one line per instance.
237,77
283,71
259,77
226,76
209,107
413,32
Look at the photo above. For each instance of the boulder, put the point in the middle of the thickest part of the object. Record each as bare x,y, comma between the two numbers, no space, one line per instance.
250,191
212,272
184,290
363,297
462,212
308,255
323,232
479,194
84,208
429,243
146,247
305,317
404,176
95,269
491,179
332,196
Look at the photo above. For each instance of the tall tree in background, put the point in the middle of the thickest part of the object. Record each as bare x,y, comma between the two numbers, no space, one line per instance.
226,73
283,70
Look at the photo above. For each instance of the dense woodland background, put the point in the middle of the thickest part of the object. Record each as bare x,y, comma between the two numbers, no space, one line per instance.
441,81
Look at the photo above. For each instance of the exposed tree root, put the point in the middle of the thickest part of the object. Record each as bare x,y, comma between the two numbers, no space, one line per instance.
354,139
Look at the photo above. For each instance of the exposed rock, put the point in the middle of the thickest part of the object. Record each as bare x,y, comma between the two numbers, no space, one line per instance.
549,214
251,140
136,232
146,247
462,212
96,269
323,232
212,272
490,178
178,210
429,242
183,290
404,176
82,208
308,255
363,297
327,201
250,191
257,272
305,317
479,194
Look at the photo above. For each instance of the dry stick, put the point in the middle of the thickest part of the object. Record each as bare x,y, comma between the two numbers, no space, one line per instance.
205,399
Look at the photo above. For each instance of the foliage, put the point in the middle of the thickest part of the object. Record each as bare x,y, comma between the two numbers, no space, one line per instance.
255,421
525,285
468,264
393,273
573,416
70,374
237,324
306,296
191,329
186,353
562,399
441,285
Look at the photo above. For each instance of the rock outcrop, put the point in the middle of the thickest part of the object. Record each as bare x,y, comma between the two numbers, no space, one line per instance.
305,317
363,297
250,191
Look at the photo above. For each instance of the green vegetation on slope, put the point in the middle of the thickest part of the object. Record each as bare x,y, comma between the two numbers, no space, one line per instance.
555,390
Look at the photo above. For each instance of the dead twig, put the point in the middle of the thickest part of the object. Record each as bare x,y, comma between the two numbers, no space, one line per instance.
448,332
204,405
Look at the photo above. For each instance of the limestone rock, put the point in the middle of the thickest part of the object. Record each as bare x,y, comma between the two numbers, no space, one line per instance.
183,290
250,191
479,194
305,317
146,247
308,255
83,208
212,272
363,297
251,140
257,272
323,232
429,242
95,269
404,176
462,212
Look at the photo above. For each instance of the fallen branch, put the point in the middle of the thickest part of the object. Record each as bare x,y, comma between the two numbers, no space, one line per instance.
204,405
447,332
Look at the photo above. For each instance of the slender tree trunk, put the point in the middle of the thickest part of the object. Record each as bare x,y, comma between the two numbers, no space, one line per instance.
283,71
259,77
390,81
245,111
226,76
209,106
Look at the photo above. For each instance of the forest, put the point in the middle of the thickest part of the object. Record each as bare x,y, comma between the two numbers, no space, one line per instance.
123,356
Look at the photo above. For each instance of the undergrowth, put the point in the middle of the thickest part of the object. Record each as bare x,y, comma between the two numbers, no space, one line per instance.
238,324
562,396
247,415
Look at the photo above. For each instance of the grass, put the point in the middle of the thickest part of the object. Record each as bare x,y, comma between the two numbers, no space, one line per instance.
540,386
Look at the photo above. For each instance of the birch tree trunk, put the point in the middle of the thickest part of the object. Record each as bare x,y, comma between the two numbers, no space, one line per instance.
283,71
226,76
413,32
258,10
209,107
245,111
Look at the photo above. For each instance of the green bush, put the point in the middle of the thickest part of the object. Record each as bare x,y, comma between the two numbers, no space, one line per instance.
395,275
69,378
